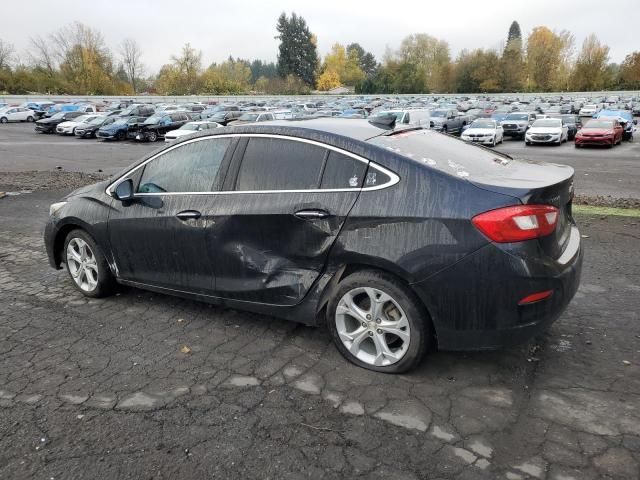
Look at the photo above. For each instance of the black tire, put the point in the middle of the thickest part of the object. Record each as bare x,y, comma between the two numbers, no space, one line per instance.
418,319
106,282
444,129
3,120
120,135
152,136
30,119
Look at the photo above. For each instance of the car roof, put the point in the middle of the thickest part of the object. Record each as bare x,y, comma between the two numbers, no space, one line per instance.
357,129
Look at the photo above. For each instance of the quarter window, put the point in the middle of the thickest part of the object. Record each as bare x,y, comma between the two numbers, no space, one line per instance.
188,168
280,164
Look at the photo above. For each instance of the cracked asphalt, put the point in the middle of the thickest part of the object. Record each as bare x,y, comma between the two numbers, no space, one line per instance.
141,385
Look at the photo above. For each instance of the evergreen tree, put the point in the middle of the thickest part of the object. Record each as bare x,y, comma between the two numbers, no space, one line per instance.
297,53
514,33
512,63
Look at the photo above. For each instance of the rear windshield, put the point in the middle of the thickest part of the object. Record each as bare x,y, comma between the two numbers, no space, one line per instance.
438,151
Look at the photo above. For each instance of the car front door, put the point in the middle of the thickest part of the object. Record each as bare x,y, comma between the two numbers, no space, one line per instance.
158,238
284,204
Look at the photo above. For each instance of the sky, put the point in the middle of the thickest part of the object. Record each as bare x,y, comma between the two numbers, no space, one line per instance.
246,28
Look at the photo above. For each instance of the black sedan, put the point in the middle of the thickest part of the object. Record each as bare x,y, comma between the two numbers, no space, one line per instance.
48,125
399,240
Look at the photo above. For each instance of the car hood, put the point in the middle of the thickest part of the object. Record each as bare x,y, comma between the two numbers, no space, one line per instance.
481,131
46,121
517,122
180,133
90,189
597,131
545,130
67,123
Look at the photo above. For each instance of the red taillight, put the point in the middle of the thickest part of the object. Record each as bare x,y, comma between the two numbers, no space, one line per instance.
535,297
518,223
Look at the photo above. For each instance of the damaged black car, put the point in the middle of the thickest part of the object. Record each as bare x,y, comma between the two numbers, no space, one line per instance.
399,240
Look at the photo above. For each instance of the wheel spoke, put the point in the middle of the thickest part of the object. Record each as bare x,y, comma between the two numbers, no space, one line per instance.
72,254
354,348
399,328
383,352
349,307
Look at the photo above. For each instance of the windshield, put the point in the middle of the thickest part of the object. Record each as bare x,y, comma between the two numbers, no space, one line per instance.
83,118
250,117
153,119
121,121
189,126
483,124
98,120
58,115
547,122
517,116
439,113
599,124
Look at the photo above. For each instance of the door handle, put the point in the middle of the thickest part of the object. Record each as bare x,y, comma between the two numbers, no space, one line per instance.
311,214
189,215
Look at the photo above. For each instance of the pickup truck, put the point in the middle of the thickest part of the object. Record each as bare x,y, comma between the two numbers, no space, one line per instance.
448,121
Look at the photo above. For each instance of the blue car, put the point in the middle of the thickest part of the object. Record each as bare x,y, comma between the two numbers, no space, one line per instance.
119,129
625,118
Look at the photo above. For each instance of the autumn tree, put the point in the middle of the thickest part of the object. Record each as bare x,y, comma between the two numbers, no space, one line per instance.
131,55
430,56
297,52
477,71
7,52
228,78
590,72
546,51
328,80
630,71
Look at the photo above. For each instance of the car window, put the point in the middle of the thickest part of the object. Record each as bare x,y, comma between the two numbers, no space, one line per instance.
188,168
280,164
342,171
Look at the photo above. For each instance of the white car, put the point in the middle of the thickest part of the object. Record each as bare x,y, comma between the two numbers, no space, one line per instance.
189,129
485,131
69,127
588,110
16,114
419,117
547,130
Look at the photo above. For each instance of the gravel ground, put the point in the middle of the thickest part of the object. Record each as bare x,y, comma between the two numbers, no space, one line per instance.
60,180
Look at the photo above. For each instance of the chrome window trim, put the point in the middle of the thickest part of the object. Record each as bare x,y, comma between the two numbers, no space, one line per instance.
393,177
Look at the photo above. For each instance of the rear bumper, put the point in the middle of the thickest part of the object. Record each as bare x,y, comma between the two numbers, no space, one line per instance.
474,304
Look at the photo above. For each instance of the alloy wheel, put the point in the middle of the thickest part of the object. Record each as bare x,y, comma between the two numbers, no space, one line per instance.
372,326
82,264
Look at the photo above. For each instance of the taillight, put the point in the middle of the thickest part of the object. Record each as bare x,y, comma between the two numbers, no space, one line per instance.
517,223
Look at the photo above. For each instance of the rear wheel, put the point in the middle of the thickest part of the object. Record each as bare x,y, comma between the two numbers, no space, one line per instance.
377,323
87,265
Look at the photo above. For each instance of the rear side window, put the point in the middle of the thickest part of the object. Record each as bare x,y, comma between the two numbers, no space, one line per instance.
192,167
342,171
280,164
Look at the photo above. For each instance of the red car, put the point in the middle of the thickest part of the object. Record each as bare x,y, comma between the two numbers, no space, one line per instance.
601,131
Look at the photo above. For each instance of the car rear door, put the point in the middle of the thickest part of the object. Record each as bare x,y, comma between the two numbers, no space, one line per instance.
284,204
158,239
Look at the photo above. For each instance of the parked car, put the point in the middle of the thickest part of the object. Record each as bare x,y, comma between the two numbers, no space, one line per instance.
189,129
547,130
572,122
90,128
16,114
48,125
157,125
625,119
69,127
421,117
138,110
485,131
296,219
119,129
516,124
250,117
599,131
448,121
39,108
224,117
589,110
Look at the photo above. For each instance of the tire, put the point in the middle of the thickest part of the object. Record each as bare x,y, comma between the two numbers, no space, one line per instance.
404,314
87,265
152,136
120,135
3,120
30,119
444,129
493,144
527,143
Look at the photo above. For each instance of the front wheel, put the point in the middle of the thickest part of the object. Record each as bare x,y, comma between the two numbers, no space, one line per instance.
30,119
3,120
152,136
377,323
120,135
87,265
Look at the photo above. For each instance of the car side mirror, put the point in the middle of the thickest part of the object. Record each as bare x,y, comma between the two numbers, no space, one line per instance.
124,191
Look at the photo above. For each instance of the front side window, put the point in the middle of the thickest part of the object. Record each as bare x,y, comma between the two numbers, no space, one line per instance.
192,167
280,164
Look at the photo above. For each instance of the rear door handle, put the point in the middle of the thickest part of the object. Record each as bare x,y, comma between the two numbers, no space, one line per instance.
189,215
311,214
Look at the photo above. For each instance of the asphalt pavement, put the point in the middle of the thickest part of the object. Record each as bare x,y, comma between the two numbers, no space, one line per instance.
599,171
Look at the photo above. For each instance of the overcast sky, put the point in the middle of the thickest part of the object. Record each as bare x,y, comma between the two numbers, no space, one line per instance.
246,28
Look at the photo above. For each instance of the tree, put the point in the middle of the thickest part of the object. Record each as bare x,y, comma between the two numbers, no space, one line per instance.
477,71
262,69
7,52
328,80
546,51
188,66
366,60
229,78
590,72
511,62
133,67
430,56
630,71
297,53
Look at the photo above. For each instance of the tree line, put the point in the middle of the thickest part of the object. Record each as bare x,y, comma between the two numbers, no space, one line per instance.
76,60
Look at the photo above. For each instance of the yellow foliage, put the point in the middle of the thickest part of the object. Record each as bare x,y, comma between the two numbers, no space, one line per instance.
328,80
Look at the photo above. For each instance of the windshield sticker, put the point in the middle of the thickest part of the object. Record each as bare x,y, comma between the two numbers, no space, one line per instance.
371,179
353,181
